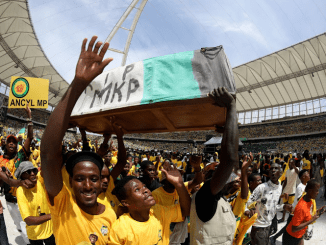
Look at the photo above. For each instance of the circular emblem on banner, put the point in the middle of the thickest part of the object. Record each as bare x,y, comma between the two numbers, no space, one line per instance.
20,87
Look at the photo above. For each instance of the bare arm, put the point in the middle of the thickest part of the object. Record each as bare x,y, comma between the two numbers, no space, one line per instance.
174,177
104,147
122,154
37,220
195,162
29,139
244,177
15,182
84,139
230,141
89,66
304,224
157,162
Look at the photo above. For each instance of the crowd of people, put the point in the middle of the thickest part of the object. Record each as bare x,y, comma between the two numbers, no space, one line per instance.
95,190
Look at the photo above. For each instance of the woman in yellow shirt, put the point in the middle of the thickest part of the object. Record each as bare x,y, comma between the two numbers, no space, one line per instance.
145,222
33,206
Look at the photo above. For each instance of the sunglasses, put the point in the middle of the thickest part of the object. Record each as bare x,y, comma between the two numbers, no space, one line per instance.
34,170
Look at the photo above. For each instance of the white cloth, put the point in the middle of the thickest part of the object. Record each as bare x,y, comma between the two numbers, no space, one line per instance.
298,193
218,230
291,179
266,195
180,233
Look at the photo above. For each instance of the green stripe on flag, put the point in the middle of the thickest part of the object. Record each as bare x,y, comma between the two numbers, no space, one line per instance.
22,131
169,77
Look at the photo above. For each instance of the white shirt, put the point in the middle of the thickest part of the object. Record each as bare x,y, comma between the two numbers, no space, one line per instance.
291,181
298,193
269,193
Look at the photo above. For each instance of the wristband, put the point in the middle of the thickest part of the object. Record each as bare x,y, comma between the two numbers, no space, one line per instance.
30,124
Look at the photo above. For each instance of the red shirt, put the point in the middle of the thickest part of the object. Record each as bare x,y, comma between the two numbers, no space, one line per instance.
302,214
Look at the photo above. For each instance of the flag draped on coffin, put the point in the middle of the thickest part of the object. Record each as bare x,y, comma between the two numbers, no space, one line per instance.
181,76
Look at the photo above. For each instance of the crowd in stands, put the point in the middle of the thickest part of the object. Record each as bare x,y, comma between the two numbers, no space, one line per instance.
291,127
88,189
40,116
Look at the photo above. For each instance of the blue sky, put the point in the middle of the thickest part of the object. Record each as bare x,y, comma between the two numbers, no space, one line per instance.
248,29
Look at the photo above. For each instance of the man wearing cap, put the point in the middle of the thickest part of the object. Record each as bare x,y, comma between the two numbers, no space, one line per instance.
33,206
10,163
75,217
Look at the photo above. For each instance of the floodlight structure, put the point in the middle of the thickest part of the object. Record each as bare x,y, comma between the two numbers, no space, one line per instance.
131,31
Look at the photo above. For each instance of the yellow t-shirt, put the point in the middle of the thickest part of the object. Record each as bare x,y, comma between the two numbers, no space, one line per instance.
164,198
65,178
35,153
321,172
32,202
71,225
132,170
183,164
156,230
108,199
306,164
282,178
237,203
159,175
187,183
38,159
114,158
12,169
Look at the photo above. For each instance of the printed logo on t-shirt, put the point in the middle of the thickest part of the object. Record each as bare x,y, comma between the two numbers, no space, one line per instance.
160,235
104,230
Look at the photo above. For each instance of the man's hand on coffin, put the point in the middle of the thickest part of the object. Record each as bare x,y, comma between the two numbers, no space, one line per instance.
222,97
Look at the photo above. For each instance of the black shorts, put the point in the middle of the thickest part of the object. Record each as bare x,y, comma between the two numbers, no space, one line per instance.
288,239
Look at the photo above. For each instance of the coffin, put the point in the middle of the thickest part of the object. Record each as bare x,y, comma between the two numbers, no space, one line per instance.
161,94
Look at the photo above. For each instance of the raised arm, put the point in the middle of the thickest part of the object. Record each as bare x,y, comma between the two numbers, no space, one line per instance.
244,178
230,141
29,139
104,147
84,139
195,162
89,66
174,177
122,154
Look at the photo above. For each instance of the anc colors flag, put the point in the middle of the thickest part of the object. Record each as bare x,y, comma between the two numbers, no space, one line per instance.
21,132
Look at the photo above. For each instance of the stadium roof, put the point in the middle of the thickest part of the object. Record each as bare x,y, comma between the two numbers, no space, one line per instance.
291,75
20,51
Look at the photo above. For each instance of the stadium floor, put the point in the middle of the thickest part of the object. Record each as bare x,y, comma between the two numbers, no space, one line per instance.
319,236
